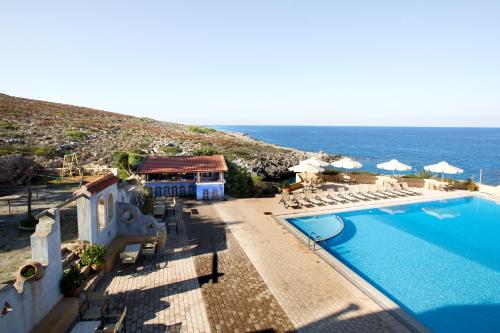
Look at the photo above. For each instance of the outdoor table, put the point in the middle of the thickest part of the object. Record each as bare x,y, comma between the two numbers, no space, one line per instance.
10,198
130,253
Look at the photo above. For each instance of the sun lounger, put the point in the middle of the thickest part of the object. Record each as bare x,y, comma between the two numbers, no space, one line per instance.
400,189
350,192
324,197
287,201
357,189
372,189
298,197
346,195
407,189
334,196
394,189
387,192
312,198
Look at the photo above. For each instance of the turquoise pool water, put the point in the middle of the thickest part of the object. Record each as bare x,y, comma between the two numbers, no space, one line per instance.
440,260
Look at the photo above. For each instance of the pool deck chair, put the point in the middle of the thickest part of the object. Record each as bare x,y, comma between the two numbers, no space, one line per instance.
354,195
372,189
287,201
395,189
384,191
321,195
312,199
406,188
342,193
356,189
334,196
298,197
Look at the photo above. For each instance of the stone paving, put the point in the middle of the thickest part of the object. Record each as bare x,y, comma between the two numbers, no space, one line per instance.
314,296
162,296
240,301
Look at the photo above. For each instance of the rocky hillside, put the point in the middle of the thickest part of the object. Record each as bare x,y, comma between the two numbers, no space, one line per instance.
47,131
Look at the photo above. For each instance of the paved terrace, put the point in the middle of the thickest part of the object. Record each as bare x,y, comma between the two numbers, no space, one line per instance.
231,268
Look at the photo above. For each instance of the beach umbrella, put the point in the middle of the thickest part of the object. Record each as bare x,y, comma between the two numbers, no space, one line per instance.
315,161
306,168
393,165
442,168
346,163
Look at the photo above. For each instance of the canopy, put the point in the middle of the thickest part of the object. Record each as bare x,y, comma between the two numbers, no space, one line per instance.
346,163
306,168
394,165
443,167
315,161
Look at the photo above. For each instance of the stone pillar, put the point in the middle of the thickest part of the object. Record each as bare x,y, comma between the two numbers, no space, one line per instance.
87,218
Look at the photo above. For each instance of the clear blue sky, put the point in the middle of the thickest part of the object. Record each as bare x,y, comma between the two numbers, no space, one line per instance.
260,62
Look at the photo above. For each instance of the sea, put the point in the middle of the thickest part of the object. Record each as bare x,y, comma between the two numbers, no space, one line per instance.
475,150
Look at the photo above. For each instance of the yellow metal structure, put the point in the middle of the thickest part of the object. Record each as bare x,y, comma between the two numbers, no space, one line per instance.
70,162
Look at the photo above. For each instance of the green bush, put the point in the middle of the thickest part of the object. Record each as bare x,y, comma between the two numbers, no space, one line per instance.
239,182
424,174
7,125
201,130
206,151
71,280
471,186
171,151
75,135
46,151
134,159
95,254
120,161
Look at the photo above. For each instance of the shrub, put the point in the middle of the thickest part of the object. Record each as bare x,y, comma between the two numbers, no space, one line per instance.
71,280
238,181
120,161
7,125
171,151
201,130
95,254
471,186
75,135
424,174
46,151
134,159
206,151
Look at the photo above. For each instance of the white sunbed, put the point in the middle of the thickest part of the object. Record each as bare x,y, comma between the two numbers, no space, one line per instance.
298,197
324,197
334,196
287,201
310,197
407,188
358,190
372,189
346,195
387,192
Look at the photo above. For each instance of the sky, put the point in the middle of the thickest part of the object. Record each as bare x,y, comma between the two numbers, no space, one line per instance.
392,63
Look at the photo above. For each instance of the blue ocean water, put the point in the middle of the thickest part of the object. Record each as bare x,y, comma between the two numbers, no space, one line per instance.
468,148
438,260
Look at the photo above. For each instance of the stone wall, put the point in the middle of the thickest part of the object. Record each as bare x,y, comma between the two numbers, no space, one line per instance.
29,301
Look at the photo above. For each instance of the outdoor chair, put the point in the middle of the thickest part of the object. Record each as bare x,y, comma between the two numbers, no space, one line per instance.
395,189
383,190
407,188
346,195
372,189
95,306
334,196
324,197
369,196
309,197
114,323
400,188
300,200
287,201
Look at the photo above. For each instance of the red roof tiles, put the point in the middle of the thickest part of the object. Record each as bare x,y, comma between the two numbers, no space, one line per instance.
101,183
183,164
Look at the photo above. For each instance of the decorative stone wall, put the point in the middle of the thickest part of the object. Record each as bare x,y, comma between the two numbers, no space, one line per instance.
29,301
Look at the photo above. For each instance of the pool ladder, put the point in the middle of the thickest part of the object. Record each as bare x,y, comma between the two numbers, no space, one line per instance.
314,239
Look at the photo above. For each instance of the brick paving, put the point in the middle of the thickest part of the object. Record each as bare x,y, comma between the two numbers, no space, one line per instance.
314,296
240,301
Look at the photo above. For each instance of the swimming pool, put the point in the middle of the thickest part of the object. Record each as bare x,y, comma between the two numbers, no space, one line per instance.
439,260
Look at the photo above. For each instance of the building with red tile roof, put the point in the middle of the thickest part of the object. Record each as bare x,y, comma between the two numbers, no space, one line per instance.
200,176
